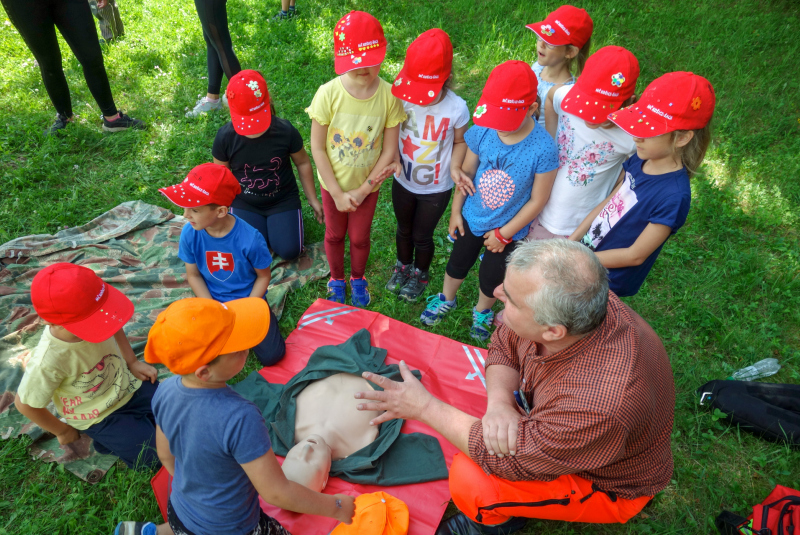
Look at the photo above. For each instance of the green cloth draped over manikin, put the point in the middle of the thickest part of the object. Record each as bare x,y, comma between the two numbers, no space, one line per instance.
393,458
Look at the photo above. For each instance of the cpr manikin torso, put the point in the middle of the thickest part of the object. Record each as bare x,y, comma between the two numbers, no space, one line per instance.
328,426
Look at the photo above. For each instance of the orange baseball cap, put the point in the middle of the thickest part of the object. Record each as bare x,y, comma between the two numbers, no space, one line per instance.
377,513
194,331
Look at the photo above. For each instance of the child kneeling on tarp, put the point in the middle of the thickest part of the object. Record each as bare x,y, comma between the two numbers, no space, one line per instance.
213,442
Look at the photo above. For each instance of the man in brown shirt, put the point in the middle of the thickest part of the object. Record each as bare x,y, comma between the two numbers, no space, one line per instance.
580,403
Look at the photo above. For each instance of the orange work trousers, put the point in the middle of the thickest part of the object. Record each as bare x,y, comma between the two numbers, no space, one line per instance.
491,500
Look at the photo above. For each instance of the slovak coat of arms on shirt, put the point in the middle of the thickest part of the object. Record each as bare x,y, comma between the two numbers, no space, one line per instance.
220,265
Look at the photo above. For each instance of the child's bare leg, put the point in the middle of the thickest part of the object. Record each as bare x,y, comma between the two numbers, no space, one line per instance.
164,529
484,301
451,287
285,5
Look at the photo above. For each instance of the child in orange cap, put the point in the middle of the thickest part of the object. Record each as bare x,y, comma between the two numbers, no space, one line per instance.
212,441
226,258
355,124
670,126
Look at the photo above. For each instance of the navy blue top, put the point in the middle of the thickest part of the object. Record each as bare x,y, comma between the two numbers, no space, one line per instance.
505,176
642,199
211,433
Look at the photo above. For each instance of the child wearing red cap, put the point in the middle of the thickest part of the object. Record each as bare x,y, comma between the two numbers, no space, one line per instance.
84,364
226,258
431,137
563,41
355,123
212,441
591,149
513,162
259,148
670,125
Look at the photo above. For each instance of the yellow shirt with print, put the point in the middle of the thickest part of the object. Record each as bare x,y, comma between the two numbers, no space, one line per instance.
85,381
355,128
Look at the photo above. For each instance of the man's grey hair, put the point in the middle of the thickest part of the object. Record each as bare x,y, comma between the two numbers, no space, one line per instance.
575,288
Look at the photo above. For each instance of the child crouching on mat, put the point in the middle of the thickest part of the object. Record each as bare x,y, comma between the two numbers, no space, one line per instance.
225,257
84,364
431,137
212,441
513,162
670,125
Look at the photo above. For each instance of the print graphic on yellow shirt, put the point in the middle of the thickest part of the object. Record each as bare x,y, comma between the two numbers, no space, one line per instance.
353,140
109,376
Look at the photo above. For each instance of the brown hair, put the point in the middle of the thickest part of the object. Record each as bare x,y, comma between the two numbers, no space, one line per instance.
448,86
579,60
692,153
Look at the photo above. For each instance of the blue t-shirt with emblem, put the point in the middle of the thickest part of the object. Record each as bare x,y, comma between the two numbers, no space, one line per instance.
227,264
642,199
505,176
211,432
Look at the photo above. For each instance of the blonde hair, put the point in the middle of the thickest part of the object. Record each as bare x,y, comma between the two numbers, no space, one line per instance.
694,151
579,59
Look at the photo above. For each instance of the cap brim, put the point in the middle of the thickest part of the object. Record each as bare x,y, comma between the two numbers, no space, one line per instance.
255,123
546,38
505,119
369,58
106,321
414,91
636,120
176,198
593,110
251,325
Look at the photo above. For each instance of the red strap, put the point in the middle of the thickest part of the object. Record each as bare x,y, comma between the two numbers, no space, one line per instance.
500,237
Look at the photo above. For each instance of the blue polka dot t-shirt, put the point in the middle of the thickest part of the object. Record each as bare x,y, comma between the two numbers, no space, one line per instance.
505,176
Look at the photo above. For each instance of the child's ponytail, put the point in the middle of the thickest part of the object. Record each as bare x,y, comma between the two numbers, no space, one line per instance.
692,153
579,59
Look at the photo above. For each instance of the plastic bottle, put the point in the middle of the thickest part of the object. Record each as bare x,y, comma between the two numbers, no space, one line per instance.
762,368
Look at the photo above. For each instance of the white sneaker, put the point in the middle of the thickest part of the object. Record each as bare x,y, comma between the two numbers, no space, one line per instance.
203,106
225,100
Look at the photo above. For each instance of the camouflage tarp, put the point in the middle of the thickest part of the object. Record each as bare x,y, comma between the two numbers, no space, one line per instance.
135,248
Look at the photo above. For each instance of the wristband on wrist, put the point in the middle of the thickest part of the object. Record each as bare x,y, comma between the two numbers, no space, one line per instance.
500,237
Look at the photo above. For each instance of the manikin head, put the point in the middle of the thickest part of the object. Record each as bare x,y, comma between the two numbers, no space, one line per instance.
308,463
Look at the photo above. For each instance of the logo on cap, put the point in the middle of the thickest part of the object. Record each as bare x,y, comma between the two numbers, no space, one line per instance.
512,101
606,93
547,30
659,112
562,26
198,188
428,76
102,291
617,79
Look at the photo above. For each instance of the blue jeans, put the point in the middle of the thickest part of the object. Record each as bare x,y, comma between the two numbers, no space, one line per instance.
283,231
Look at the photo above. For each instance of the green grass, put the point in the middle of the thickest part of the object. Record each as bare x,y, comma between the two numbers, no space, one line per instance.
724,293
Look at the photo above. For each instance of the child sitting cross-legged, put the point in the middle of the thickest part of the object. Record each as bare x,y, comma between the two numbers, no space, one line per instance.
85,365
226,258
212,441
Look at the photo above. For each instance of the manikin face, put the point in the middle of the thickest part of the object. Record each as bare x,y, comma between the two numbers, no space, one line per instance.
308,463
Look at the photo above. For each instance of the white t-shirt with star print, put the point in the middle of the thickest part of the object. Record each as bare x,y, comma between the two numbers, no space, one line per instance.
426,143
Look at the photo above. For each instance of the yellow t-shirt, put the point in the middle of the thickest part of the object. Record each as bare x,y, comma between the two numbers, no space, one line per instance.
85,381
355,128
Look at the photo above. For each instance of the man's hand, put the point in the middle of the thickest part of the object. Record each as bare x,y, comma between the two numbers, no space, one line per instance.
500,425
69,435
143,371
348,510
346,202
406,400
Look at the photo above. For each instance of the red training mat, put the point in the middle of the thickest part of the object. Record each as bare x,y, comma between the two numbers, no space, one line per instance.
451,371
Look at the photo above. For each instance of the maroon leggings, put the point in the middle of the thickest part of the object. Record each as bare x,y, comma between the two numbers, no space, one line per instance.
355,225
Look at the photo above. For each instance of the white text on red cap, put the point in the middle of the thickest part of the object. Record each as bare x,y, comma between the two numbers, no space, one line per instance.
102,291
661,113
198,188
428,76
512,101
368,43
606,93
562,26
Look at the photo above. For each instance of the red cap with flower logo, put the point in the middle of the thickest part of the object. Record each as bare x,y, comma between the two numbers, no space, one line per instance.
248,99
358,42
567,25
429,61
608,80
675,101
506,97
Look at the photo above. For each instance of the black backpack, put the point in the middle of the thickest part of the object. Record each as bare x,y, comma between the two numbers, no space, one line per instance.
769,410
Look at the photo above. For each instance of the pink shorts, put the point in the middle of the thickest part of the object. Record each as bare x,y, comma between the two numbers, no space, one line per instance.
538,232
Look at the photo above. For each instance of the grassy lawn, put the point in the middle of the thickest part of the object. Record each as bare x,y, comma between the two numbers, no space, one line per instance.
724,293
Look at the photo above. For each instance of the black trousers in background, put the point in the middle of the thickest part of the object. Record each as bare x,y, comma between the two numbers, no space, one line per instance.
219,48
417,216
466,250
36,21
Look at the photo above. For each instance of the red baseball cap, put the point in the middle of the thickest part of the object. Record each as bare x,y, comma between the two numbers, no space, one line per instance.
194,331
608,80
428,63
675,101
248,99
75,298
207,183
506,97
567,25
358,42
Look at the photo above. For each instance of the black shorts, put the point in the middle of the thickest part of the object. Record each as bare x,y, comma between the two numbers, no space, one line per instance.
466,250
